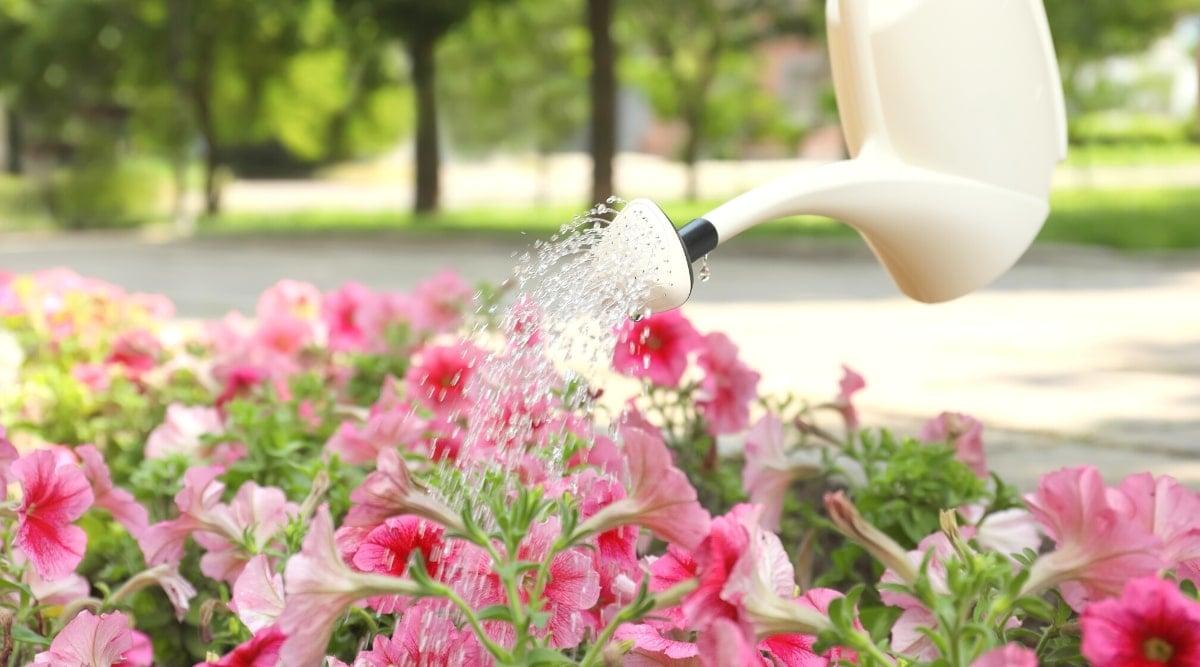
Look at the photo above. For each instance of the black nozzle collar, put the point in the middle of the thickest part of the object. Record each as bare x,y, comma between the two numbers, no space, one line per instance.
699,238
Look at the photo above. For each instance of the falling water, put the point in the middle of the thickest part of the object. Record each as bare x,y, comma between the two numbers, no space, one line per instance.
551,345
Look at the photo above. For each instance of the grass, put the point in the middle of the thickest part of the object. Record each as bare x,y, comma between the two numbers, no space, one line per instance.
1133,219
1133,155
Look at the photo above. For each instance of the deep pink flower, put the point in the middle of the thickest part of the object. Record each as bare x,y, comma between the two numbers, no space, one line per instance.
257,514
1171,512
850,384
728,538
136,351
92,641
388,548
659,497
1152,624
238,381
1100,541
438,379
1011,655
425,636
345,312
53,496
438,303
257,595
727,388
572,588
183,430
965,433
656,348
261,650
118,502
319,587
770,469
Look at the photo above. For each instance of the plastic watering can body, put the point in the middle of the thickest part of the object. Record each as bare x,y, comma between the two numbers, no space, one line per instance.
953,114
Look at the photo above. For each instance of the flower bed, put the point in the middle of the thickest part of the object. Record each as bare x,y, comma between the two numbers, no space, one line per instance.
277,490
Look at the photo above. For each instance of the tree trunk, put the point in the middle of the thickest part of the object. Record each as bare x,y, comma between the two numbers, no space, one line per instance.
13,143
603,97
428,158
691,155
212,157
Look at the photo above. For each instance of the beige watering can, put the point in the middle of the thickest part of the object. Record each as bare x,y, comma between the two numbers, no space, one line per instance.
954,117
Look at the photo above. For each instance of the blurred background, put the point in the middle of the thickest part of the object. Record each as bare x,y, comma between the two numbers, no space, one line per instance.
235,142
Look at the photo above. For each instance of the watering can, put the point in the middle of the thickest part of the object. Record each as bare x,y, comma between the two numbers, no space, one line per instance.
954,118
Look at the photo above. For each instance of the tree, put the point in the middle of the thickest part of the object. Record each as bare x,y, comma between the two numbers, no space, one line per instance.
536,98
603,82
420,25
689,51
1085,32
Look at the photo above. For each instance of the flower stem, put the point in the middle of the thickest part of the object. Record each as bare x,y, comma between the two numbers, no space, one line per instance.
492,647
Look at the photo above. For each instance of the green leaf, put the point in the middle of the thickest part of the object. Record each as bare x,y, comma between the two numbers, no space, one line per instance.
546,656
24,634
496,612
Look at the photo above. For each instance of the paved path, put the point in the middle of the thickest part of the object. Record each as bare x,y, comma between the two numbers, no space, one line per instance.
1076,356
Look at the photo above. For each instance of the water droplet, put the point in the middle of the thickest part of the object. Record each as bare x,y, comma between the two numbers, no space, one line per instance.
705,270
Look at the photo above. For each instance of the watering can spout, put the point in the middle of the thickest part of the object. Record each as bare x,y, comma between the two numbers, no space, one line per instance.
953,114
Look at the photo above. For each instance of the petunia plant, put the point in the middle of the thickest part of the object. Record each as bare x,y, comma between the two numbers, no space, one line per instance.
339,478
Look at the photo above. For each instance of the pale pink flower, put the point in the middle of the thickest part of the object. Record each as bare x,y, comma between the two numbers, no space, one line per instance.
389,491
91,641
770,469
200,508
8,456
1101,543
850,384
95,377
53,496
386,427
438,303
965,433
278,342
319,587
117,502
656,348
1172,513
1152,623
1010,655
439,376
179,591
261,650
659,496
652,647
724,644
727,388
258,594
1007,532
257,514
289,298
61,591
183,430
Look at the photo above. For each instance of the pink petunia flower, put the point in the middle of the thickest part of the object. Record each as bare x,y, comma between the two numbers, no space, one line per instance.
1171,512
53,496
425,635
261,650
850,384
389,491
388,548
965,433
136,352
724,643
1151,624
659,496
8,456
651,646
438,378
1010,655
183,430
345,312
289,298
258,594
1100,541
95,377
319,587
117,502
200,509
727,388
770,469
257,514
438,303
656,348
92,641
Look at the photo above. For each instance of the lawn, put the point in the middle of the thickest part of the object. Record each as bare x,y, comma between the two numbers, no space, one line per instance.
1134,219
